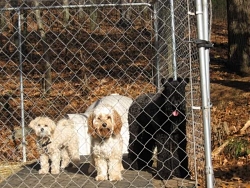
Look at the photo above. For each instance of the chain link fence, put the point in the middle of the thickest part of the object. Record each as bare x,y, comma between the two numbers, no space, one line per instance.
59,57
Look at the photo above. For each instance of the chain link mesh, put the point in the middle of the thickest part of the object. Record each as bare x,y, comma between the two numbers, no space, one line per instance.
58,57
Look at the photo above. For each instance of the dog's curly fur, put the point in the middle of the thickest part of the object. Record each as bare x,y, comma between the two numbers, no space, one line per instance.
104,126
159,120
58,142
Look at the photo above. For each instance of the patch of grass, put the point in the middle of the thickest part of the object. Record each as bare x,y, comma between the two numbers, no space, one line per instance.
237,147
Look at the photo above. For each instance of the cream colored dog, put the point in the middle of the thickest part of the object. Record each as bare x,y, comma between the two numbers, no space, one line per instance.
57,142
104,127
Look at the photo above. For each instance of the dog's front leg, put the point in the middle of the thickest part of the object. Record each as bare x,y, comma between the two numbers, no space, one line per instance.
115,168
65,158
55,162
44,162
165,153
101,168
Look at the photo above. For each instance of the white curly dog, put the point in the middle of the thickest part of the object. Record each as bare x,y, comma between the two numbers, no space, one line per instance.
57,142
120,104
104,127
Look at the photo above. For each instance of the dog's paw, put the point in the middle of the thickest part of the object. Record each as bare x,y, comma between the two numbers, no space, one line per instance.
101,178
55,171
63,167
117,177
42,171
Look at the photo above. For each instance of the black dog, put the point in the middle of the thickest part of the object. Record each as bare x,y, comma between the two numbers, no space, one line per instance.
159,120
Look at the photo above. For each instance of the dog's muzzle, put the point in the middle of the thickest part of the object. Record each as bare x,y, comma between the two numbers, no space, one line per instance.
104,132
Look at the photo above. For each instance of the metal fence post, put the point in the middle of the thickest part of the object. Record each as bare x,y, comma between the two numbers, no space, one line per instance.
21,83
156,69
205,93
173,40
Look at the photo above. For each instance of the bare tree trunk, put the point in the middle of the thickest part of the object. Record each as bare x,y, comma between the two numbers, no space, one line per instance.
93,17
47,65
24,30
171,32
3,20
238,35
165,43
15,22
81,12
66,13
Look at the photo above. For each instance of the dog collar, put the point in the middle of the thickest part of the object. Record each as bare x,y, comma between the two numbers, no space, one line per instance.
46,143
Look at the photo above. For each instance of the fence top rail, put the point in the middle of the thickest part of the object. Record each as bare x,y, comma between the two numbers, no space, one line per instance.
74,6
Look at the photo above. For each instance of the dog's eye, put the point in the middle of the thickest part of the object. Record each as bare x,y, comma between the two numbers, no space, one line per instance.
109,117
38,125
45,125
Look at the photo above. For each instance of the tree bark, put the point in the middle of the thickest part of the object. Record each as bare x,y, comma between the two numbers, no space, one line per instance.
239,36
66,13
81,11
93,17
47,65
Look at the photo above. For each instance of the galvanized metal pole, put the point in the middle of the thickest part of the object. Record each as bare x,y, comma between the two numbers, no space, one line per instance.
21,83
207,31
206,22
156,45
173,40
205,95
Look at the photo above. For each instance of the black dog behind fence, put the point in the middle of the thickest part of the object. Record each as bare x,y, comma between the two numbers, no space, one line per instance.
159,120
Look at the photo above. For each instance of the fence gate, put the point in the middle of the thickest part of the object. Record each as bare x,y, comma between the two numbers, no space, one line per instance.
60,56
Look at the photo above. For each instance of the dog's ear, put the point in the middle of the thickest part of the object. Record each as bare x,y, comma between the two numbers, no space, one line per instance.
91,129
33,123
185,80
116,118
52,125
164,80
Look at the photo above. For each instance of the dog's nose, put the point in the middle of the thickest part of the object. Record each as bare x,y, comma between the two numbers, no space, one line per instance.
104,124
176,104
42,129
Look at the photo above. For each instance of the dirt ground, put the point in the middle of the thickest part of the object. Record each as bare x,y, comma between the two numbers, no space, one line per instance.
230,95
